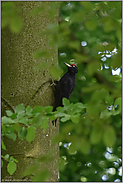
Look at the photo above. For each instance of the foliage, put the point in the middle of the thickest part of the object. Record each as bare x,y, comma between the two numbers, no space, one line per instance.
89,35
25,121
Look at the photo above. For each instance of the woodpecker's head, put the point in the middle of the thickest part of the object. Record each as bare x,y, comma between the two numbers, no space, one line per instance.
72,68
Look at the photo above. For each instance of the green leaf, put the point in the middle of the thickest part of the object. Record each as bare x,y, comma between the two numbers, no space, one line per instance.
52,117
77,108
38,119
75,118
13,159
95,135
38,109
55,72
23,119
6,120
69,108
29,111
11,167
17,126
59,114
9,113
109,136
80,105
14,115
48,109
8,129
60,109
3,145
44,123
30,133
6,156
65,102
11,136
20,109
22,133
105,114
65,118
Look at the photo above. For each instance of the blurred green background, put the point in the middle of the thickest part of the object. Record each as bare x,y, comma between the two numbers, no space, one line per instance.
90,36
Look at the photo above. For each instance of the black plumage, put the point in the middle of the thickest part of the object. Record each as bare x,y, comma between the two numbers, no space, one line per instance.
65,86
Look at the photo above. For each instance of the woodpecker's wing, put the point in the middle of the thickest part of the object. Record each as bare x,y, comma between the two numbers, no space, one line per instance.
64,88
68,84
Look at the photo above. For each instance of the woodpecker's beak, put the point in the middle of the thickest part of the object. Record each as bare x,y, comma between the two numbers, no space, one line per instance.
68,65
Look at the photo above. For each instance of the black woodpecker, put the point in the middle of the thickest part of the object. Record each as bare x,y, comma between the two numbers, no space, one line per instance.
65,86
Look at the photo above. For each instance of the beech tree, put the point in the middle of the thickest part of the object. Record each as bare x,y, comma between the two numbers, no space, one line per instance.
24,90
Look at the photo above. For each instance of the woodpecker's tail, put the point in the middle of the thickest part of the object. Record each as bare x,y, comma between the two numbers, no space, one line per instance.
54,122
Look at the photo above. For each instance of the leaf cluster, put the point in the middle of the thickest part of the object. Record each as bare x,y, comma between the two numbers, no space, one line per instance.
23,124
25,121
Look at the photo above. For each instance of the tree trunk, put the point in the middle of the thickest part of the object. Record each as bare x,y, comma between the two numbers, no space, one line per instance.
22,84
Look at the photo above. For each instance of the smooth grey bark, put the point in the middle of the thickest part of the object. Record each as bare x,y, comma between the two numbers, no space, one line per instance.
22,84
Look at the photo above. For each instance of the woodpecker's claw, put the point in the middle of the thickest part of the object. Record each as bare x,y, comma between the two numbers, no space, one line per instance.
52,82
